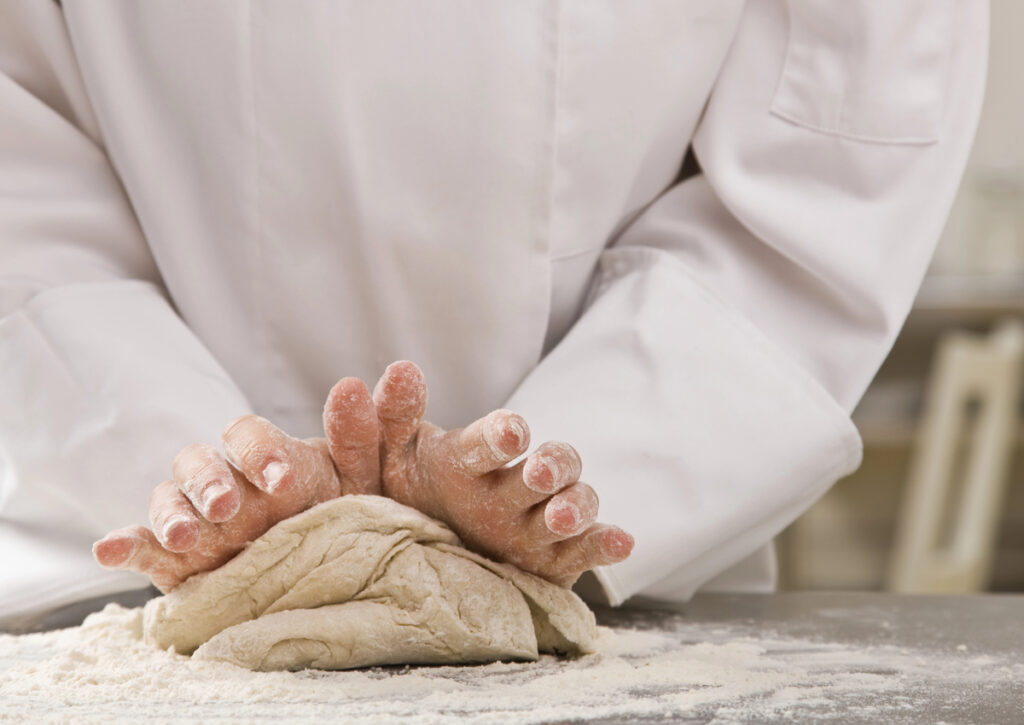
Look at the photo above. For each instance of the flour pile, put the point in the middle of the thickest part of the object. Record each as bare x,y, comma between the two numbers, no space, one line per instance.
104,672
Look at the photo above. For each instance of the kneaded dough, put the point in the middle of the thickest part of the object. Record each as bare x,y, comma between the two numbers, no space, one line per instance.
361,581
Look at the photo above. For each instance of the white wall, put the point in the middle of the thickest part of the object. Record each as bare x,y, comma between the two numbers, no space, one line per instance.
986,228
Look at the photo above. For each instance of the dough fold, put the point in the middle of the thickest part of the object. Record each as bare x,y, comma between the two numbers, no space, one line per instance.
361,581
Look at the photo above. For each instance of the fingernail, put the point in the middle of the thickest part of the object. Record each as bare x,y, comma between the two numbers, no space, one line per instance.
217,502
505,435
517,430
619,546
120,549
539,475
562,518
175,522
272,475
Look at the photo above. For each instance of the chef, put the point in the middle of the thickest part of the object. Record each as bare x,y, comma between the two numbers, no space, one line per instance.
680,235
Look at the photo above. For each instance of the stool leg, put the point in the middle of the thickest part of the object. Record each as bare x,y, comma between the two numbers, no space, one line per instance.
968,368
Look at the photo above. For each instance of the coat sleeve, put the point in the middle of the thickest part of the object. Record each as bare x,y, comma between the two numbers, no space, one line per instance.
733,326
100,381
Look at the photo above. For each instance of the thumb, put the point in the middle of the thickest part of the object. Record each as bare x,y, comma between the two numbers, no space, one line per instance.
401,401
350,424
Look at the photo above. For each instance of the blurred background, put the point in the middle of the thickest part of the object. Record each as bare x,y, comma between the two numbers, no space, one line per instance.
938,505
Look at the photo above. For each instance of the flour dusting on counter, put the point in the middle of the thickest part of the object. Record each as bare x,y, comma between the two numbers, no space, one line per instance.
103,672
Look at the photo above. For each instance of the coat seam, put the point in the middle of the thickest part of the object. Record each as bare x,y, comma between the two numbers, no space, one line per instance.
547,222
259,321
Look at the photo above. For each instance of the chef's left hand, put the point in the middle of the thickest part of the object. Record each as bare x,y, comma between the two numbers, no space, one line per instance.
536,514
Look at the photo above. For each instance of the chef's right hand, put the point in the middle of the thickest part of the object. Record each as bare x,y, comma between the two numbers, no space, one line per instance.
215,504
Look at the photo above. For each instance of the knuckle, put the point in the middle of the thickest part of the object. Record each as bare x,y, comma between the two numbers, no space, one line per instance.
191,458
242,427
158,495
210,472
248,440
252,454
232,425
193,451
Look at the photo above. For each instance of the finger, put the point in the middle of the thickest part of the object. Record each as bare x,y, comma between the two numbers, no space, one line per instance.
350,423
137,549
116,549
401,400
205,478
173,519
489,443
260,450
562,516
548,470
600,545
552,467
571,511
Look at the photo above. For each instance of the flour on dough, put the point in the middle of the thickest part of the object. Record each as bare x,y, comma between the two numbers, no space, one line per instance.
361,581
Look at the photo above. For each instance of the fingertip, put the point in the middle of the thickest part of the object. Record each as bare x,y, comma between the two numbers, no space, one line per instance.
347,387
347,395
489,443
616,544
404,369
112,553
401,391
507,433
350,417
258,449
115,551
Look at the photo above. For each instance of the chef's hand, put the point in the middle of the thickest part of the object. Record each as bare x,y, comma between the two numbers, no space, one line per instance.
536,514
215,505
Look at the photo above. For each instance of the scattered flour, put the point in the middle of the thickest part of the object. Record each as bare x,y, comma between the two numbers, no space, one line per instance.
103,672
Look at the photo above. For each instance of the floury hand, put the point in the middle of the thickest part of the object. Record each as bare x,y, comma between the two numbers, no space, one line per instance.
536,514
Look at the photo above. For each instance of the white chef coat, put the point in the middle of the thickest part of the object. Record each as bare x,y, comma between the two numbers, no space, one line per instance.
211,208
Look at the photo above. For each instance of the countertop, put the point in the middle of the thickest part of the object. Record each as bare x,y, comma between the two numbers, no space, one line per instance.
984,632
789,657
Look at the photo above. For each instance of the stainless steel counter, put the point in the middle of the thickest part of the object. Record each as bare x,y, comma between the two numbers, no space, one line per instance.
858,658
977,633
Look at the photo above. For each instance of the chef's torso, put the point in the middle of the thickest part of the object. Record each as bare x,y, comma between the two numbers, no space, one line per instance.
329,186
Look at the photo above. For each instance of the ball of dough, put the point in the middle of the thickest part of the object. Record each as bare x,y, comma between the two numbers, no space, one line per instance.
360,581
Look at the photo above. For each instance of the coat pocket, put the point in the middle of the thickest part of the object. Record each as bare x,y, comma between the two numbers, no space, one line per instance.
868,70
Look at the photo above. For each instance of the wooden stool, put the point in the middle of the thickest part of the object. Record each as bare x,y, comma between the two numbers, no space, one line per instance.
949,518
